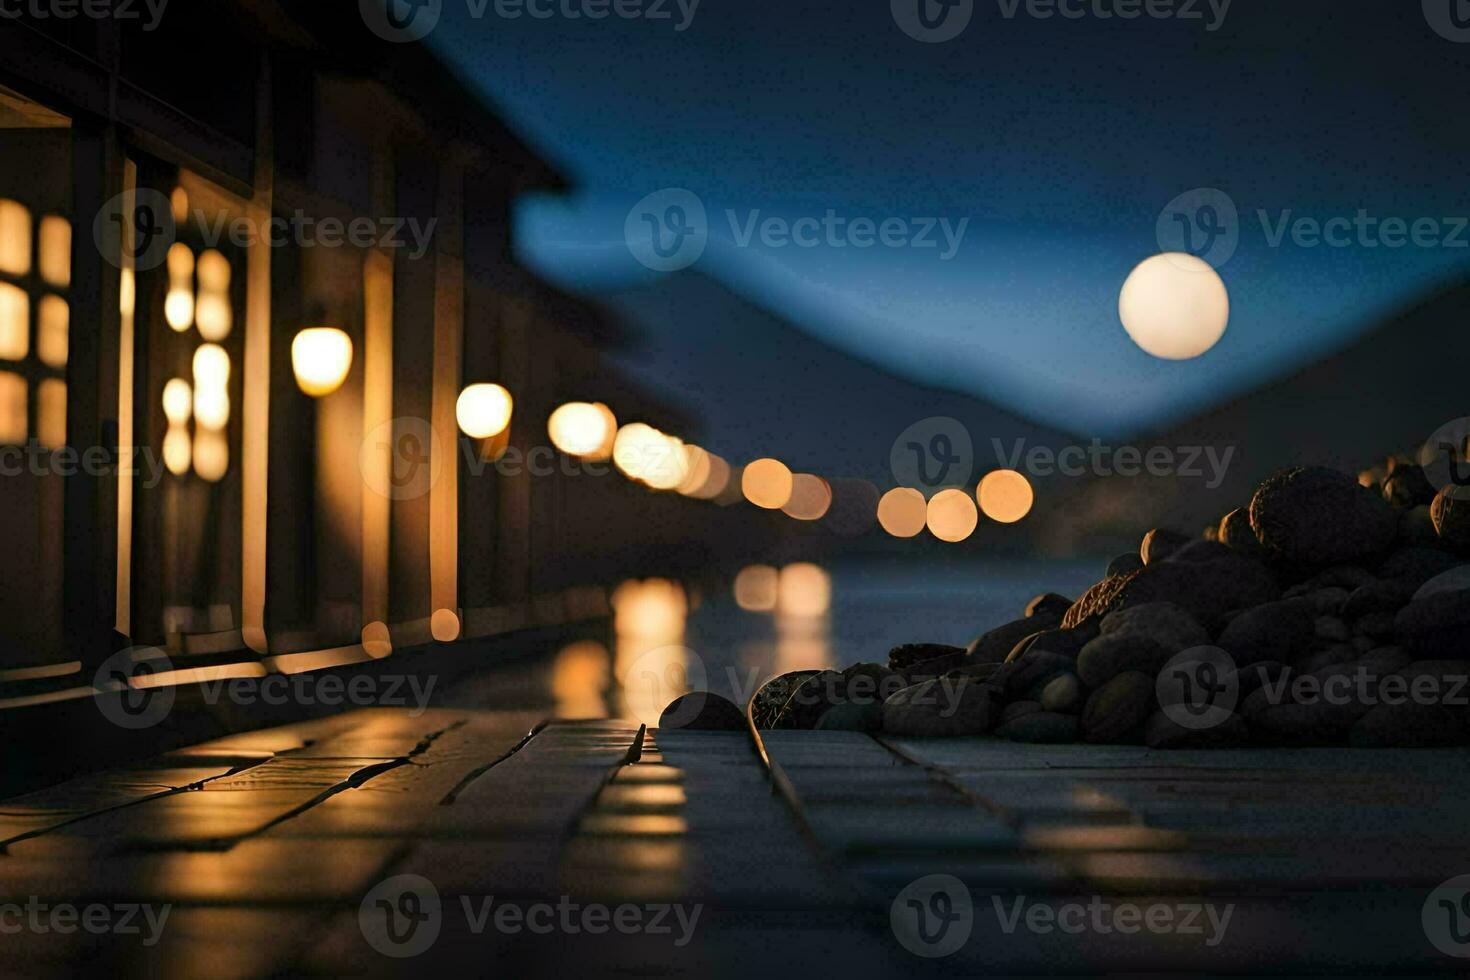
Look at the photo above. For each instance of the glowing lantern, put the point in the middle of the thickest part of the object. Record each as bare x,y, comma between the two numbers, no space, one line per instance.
767,483
951,515
580,429
1174,306
1005,496
903,512
321,358
484,410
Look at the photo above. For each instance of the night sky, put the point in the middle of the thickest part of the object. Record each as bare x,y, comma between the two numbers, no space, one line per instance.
1061,141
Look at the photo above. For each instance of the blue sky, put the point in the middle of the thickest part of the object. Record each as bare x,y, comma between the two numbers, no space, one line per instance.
1061,142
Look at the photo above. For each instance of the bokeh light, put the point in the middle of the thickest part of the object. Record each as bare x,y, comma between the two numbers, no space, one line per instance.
484,410
1174,306
1005,496
178,401
903,512
581,429
321,358
804,591
767,483
811,498
951,515
755,588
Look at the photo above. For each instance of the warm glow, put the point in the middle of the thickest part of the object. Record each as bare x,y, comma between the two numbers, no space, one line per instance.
180,263
13,413
903,512
951,515
1005,496
178,401
697,464
213,272
1174,306
811,498
444,625
127,300
211,455
211,367
179,205
767,483
644,453
178,309
580,676
321,357
51,413
15,238
716,479
484,410
52,330
652,610
55,262
177,450
213,316
579,428
211,407
805,591
376,640
15,322
755,588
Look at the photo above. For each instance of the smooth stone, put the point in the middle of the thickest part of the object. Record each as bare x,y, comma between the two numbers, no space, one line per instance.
1062,694
1274,631
1040,727
1332,629
1454,580
1407,487
1163,732
1451,516
1208,590
1339,653
1437,627
1163,622
852,717
1202,550
1118,710
1068,643
909,654
1329,601
809,699
773,695
1416,527
1125,564
1375,626
1417,566
702,711
993,647
1316,516
1031,668
1160,543
1385,660
1425,720
1381,595
1237,534
1111,654
1049,606
870,684
1252,677
941,708
1019,709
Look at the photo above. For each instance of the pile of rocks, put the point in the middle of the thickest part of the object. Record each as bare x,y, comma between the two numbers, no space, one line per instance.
1328,611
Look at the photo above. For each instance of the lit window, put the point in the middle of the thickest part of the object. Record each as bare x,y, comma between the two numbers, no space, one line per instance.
15,322
51,413
15,238
56,250
52,332
12,408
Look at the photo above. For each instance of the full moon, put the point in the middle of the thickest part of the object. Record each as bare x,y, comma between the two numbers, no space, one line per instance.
1174,306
